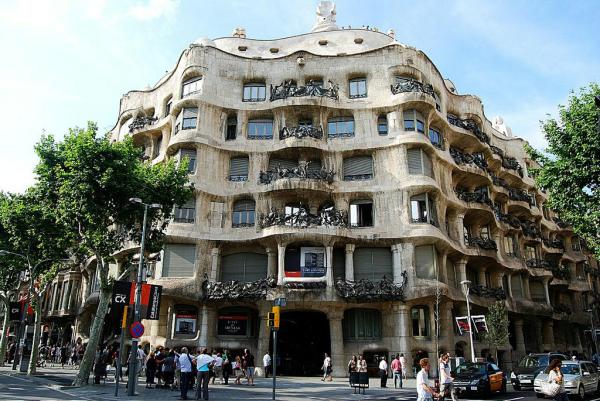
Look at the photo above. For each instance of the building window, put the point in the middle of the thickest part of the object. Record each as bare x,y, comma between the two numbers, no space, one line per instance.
516,286
189,119
530,253
413,121
254,92
191,86
536,288
231,129
575,244
484,232
190,155
546,212
304,261
157,146
438,103
361,213
185,320
436,139
238,168
422,209
509,246
362,324
340,127
467,235
179,260
419,162
358,88
358,168
420,321
176,129
168,106
292,212
372,264
243,213
425,262
244,267
382,125
185,213
260,129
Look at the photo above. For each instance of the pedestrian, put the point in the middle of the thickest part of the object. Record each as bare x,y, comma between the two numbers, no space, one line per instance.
555,375
267,363
218,368
64,356
140,360
424,390
396,367
226,367
446,380
159,357
383,372
238,370
352,369
150,370
327,368
185,365
203,364
403,365
362,364
248,362
168,368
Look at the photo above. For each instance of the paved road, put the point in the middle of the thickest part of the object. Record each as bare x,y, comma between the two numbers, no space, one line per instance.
49,387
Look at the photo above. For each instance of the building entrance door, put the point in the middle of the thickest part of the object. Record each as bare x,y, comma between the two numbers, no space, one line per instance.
303,339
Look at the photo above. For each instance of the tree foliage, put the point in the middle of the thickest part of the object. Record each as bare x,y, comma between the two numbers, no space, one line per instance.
497,324
570,167
90,181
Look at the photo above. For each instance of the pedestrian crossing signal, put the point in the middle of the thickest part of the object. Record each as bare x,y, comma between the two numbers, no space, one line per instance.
270,319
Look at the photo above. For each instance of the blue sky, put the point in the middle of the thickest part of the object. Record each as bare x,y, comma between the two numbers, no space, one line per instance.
65,62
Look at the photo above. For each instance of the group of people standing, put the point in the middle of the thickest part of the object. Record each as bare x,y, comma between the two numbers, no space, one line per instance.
359,365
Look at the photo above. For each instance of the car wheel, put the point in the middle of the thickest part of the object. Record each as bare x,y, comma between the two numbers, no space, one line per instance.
581,392
516,387
539,395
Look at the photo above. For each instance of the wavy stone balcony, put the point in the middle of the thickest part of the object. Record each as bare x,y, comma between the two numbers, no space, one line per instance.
483,243
471,126
301,132
311,89
301,172
235,290
302,218
555,243
371,291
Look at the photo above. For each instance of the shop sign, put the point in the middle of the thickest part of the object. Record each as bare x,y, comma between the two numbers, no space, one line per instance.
233,325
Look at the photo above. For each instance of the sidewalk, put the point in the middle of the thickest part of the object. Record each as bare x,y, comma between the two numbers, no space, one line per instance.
288,388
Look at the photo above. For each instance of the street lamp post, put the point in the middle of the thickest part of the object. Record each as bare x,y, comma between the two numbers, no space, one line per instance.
465,286
132,377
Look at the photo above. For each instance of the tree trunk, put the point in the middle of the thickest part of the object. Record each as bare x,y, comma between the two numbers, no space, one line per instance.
5,323
37,333
87,362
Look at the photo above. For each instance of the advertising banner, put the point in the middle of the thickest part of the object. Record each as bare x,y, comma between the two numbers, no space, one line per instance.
124,294
479,324
185,324
15,311
463,324
232,325
312,261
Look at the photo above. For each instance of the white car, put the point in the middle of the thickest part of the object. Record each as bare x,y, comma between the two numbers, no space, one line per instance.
580,378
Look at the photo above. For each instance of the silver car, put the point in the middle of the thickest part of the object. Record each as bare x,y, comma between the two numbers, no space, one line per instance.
580,378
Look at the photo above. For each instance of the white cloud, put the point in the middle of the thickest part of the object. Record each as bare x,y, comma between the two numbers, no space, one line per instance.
154,9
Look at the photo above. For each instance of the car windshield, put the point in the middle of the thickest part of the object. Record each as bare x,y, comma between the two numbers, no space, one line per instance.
469,367
570,369
533,362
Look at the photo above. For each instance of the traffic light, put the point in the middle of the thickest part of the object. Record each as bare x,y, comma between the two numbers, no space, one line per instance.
270,319
276,312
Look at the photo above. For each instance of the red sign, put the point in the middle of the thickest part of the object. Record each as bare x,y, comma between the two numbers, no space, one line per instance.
136,329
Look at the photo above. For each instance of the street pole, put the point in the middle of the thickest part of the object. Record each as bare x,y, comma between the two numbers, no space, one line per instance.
274,360
465,285
121,348
132,377
18,350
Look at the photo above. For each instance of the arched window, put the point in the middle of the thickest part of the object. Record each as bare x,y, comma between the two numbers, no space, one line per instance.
420,321
191,86
243,267
189,119
419,162
362,324
243,213
426,262
413,121
340,127
254,92
185,213
436,139
260,129
358,88
538,293
382,125
361,213
189,154
422,209
516,285
372,264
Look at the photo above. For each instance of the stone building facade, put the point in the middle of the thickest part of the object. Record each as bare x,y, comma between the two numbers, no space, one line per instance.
340,170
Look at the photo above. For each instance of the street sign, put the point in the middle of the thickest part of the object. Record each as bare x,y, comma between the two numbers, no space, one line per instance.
279,302
136,329
15,311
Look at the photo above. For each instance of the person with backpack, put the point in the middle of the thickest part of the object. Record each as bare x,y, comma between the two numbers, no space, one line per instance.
203,364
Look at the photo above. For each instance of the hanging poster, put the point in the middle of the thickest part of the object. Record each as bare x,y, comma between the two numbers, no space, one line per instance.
479,324
312,261
185,324
463,324
232,325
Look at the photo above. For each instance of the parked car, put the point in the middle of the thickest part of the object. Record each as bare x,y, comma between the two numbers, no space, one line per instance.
580,378
529,367
479,378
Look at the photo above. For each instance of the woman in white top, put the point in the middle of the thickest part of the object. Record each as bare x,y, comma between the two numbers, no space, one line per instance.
424,391
555,375
326,368
445,377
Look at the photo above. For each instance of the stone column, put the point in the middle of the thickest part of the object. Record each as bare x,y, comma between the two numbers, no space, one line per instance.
337,342
509,281
481,276
458,227
329,265
407,259
403,332
546,292
519,339
203,338
264,334
526,291
271,262
447,326
349,262
397,263
280,263
443,268
461,267
548,335
215,256
52,297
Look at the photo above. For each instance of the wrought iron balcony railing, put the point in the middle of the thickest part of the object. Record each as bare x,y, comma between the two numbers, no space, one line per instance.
555,243
531,230
499,182
242,225
312,88
562,308
539,264
519,195
238,178
141,122
236,290
302,218
512,164
561,272
403,85
471,126
301,171
371,291
477,197
301,131
507,218
487,292
467,158
483,243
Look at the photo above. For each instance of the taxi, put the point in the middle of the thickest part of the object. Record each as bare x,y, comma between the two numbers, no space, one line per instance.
479,378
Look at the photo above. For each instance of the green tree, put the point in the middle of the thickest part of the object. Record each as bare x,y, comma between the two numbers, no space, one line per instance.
89,181
38,242
497,324
570,167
